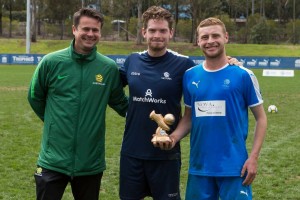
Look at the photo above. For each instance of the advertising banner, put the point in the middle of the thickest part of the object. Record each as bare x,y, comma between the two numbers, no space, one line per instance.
262,62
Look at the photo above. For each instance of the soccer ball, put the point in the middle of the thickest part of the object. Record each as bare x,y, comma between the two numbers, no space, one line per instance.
272,109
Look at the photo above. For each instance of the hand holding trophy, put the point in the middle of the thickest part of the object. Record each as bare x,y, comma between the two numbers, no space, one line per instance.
163,126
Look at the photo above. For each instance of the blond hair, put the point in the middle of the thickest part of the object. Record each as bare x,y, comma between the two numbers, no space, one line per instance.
211,22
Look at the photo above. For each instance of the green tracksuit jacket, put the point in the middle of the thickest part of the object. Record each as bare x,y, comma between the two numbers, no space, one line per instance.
70,93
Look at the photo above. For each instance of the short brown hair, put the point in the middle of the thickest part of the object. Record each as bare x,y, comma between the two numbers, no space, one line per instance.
210,22
156,12
88,12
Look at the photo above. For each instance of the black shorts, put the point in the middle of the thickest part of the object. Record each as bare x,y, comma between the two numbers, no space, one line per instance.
156,178
50,185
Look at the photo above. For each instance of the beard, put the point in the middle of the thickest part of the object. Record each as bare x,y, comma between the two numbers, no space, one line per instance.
213,55
157,47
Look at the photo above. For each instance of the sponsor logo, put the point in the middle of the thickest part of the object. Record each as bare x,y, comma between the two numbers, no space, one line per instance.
59,77
148,93
120,61
252,62
210,108
275,63
166,76
197,62
297,63
148,98
196,84
23,58
263,63
243,192
173,194
226,83
135,74
4,59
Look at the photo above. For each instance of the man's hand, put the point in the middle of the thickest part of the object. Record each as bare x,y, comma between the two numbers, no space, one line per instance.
233,61
250,167
165,144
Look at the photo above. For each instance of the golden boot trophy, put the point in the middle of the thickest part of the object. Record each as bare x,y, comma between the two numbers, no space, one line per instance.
163,126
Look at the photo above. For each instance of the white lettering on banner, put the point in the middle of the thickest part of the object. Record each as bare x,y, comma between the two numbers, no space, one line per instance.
4,59
297,63
275,63
210,108
263,63
23,58
39,58
278,73
252,63
120,60
197,62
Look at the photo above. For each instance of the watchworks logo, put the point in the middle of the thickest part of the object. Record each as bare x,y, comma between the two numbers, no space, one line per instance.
148,98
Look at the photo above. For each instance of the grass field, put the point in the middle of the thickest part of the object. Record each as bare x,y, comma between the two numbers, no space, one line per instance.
124,48
20,133
20,130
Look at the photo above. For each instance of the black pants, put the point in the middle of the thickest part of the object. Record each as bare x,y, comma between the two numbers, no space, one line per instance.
50,185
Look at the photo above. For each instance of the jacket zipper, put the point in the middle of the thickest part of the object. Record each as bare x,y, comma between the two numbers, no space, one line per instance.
78,118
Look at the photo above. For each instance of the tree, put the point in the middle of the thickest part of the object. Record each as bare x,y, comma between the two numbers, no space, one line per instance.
1,5
59,11
139,37
33,20
201,9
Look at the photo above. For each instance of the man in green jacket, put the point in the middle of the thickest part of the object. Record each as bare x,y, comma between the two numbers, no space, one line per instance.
69,92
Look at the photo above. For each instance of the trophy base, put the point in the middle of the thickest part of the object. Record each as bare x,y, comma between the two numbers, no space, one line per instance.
160,138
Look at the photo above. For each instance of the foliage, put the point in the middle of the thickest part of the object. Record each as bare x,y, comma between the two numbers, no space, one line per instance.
293,35
54,13
229,24
260,32
125,48
184,29
16,15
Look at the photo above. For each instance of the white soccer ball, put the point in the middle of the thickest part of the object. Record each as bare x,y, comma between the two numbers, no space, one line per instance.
272,109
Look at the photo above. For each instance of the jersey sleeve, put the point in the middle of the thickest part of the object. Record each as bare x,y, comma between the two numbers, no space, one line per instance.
186,94
253,94
118,100
37,92
123,73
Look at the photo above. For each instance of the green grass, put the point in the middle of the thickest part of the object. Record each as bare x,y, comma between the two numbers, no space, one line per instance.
124,48
20,133
20,129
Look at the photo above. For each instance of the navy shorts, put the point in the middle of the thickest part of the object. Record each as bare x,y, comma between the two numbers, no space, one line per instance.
156,178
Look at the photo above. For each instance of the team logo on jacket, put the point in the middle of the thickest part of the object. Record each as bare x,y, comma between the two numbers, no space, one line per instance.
99,78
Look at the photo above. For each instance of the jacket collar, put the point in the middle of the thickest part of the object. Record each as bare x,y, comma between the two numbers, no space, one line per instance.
82,57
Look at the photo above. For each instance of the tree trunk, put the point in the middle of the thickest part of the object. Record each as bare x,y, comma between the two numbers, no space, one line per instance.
1,30
176,20
10,19
62,29
139,37
33,22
